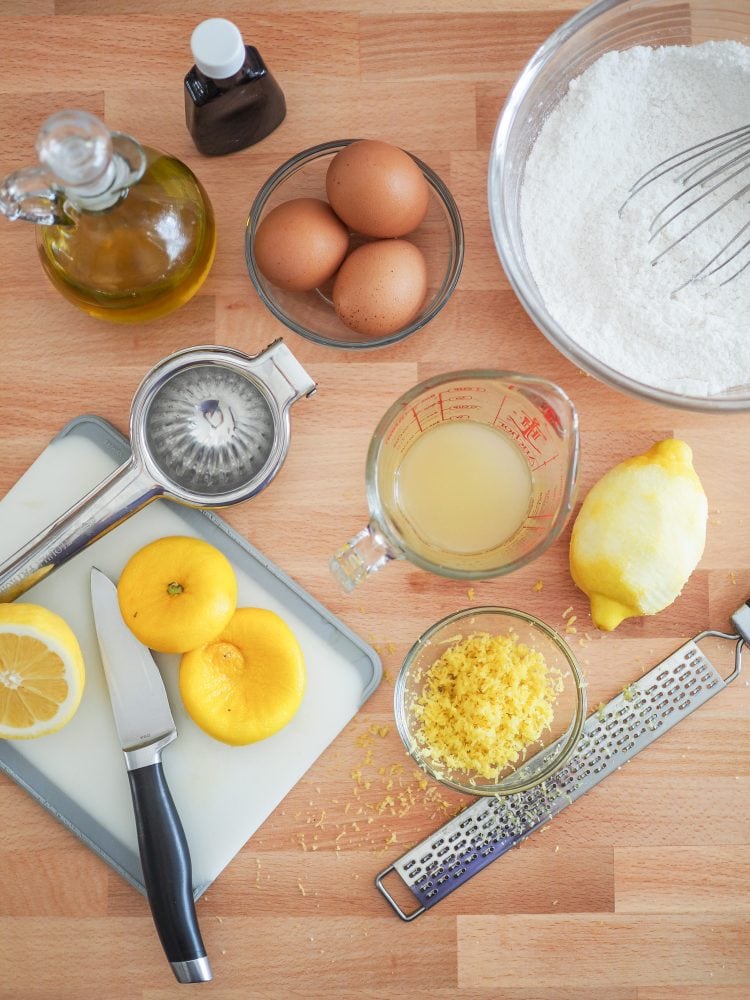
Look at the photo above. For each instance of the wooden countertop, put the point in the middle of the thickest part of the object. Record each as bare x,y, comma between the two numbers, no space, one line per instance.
637,892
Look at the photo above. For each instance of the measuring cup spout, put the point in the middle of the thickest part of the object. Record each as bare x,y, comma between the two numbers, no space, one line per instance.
116,498
364,554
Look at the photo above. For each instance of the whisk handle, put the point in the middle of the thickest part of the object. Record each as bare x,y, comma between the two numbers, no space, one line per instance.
121,494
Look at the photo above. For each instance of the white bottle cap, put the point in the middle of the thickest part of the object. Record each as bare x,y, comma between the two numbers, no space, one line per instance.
218,49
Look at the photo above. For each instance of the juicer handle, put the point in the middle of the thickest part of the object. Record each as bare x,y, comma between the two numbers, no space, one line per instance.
121,494
296,381
31,195
364,554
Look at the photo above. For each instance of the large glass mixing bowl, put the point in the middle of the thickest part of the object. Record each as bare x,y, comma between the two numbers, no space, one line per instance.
600,28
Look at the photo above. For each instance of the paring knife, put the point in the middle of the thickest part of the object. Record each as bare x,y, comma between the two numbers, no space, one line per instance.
145,726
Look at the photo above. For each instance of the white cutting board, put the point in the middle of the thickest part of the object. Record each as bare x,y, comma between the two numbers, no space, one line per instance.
222,793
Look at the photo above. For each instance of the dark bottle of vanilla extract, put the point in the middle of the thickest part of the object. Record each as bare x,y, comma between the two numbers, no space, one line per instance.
231,100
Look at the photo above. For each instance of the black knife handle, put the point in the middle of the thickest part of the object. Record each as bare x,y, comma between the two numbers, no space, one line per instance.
167,873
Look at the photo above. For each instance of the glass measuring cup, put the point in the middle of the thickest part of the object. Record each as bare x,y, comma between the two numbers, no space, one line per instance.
537,451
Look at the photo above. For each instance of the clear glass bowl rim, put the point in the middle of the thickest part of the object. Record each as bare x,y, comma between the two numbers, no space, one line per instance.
527,295
449,282
506,787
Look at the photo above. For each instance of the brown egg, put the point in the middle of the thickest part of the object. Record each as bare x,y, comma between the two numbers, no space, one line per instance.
300,244
380,287
377,189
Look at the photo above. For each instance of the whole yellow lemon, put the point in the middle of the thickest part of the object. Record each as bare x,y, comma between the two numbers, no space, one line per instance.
639,534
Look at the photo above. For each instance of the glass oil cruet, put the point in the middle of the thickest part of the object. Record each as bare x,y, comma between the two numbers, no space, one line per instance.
124,231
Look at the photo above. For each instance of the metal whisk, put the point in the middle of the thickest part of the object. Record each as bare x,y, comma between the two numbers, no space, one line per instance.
715,165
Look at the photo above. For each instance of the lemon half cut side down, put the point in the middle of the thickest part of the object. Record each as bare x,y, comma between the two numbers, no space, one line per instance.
247,683
177,593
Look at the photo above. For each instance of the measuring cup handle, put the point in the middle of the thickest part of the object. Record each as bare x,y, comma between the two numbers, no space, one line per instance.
362,555
104,507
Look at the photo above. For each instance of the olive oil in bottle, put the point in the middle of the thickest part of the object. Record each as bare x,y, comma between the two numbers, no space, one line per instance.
124,232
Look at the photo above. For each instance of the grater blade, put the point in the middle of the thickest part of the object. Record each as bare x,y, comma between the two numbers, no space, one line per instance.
627,724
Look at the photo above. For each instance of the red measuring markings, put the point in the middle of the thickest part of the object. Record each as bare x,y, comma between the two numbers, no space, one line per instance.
514,432
396,425
500,409
553,416
428,407
546,462
440,400
530,430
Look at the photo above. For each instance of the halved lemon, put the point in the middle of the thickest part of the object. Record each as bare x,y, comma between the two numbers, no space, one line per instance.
248,682
41,672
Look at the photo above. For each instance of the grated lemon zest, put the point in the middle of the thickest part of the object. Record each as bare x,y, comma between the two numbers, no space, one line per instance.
484,701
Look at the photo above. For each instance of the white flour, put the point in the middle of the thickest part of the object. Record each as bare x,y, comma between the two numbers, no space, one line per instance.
627,112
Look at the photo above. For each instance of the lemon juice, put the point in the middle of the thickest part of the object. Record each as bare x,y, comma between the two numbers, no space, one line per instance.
463,487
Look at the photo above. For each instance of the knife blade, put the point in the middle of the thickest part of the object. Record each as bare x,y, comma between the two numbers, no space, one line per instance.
145,726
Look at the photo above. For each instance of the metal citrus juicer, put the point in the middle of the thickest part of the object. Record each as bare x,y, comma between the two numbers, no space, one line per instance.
209,427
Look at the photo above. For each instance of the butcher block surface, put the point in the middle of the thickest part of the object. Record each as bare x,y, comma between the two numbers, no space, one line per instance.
639,891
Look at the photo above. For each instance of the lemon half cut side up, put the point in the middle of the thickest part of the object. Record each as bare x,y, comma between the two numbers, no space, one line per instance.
42,672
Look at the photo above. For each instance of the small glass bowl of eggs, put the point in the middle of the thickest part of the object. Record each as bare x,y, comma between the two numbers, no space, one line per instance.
354,244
